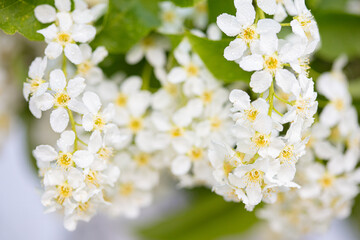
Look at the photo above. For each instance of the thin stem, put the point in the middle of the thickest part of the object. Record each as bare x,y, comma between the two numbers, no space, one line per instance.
283,100
278,112
271,98
146,75
82,142
285,24
73,127
64,63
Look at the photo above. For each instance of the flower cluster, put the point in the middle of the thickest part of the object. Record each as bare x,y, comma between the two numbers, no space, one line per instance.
327,172
77,171
270,130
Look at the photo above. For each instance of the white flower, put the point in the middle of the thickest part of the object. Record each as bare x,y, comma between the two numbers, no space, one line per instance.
88,67
277,8
65,159
153,47
36,85
268,62
242,25
172,17
305,26
94,119
63,97
191,66
62,37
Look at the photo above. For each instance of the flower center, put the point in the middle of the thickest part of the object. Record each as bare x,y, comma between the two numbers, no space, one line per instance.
64,160
62,99
249,34
304,19
169,16
261,140
142,159
176,132
196,153
206,97
105,153
121,100
65,191
286,154
255,176
126,189
99,122
338,104
192,70
35,83
83,207
251,114
84,67
148,42
271,63
91,178
201,7
135,124
327,180
64,38
215,123
171,89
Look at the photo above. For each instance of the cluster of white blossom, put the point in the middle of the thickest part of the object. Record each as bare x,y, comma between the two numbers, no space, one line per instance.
328,172
269,139
77,171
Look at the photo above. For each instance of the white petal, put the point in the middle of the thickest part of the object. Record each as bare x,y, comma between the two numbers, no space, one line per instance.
240,99
177,75
98,55
92,102
181,165
83,33
268,43
260,81
50,32
75,86
245,12
285,80
73,53
156,57
57,80
268,6
131,85
253,192
37,68
82,16
59,119
77,106
45,153
44,102
83,158
66,140
329,116
63,5
45,13
95,142
228,24
88,122
65,21
53,50
135,54
235,50
252,63
34,108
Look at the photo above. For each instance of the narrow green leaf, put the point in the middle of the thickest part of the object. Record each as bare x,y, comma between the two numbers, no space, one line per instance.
208,217
211,52
340,33
127,22
18,16
185,3
217,7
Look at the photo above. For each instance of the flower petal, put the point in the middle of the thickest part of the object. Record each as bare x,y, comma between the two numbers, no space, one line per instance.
83,159
92,102
59,119
45,13
57,80
73,53
75,86
181,165
260,81
228,24
53,50
45,153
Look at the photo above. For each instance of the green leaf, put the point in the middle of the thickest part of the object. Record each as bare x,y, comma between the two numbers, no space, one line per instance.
185,3
211,52
127,22
340,33
18,16
209,217
217,7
